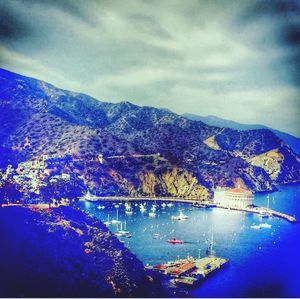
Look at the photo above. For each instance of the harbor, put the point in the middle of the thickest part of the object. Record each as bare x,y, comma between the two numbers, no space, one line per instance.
254,250
190,271
196,202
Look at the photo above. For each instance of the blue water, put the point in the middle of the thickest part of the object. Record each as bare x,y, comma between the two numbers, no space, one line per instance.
263,263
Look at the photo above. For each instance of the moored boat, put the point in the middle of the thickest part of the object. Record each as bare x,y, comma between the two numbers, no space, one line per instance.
181,216
175,241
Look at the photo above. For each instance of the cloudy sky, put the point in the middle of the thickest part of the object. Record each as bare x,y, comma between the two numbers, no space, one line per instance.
239,60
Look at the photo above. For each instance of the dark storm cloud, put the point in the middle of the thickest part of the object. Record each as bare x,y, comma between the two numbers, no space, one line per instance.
284,15
12,26
203,56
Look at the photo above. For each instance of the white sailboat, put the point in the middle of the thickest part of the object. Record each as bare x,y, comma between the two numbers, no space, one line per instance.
210,250
123,232
265,225
107,223
267,214
116,221
152,212
143,208
89,197
181,216
128,209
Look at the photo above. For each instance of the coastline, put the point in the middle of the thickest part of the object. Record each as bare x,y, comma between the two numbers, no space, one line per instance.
208,204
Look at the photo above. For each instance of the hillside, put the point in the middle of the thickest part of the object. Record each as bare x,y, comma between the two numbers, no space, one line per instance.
62,252
212,120
49,134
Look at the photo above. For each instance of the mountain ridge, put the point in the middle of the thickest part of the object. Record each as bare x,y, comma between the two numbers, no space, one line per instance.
291,140
125,149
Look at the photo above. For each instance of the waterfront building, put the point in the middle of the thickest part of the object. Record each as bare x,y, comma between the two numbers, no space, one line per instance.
235,197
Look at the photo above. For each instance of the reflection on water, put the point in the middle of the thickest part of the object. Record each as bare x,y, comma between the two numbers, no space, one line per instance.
262,262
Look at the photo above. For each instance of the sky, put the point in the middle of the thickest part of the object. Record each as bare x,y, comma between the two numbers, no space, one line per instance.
236,59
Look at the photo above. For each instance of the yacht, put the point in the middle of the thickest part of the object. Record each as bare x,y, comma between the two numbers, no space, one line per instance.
89,197
265,225
156,236
152,214
255,226
181,216
142,208
128,209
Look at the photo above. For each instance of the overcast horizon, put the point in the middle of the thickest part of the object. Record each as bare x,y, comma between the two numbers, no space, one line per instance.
238,60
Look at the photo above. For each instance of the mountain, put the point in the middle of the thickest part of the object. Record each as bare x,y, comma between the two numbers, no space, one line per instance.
212,120
56,142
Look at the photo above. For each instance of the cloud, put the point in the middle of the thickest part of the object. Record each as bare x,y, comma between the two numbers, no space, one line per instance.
234,59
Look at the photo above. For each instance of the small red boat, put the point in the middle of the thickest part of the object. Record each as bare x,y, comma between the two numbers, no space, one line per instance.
175,241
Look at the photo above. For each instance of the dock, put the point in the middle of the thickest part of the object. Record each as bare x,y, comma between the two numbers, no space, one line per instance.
189,271
261,211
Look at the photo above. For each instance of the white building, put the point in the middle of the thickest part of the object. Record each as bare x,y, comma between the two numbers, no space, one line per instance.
235,197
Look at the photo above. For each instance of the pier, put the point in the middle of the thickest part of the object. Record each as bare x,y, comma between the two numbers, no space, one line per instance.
189,271
261,211
208,204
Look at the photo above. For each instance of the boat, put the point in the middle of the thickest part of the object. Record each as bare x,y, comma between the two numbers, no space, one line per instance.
107,223
266,213
101,207
256,226
142,208
129,212
170,205
152,214
116,221
190,271
128,209
156,236
123,233
89,197
163,205
265,225
175,241
181,216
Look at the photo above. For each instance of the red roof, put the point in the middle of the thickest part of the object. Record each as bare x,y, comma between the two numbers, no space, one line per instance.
239,190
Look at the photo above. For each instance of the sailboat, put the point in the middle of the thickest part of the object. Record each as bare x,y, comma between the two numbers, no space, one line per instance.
116,221
123,233
267,214
152,213
181,216
107,223
210,250
128,209
143,208
89,197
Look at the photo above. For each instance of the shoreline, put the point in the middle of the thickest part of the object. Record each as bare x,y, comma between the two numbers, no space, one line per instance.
208,204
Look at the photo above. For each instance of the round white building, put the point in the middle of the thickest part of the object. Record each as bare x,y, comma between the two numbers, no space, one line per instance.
235,197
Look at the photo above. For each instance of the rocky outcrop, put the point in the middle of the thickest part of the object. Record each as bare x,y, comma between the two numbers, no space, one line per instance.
176,182
211,142
270,161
